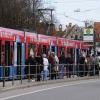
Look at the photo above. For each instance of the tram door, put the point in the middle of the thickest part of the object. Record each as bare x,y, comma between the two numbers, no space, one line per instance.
0,62
7,58
0,53
19,60
2,57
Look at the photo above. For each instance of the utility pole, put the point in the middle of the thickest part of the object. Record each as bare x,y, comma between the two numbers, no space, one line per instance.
35,22
34,14
94,43
51,15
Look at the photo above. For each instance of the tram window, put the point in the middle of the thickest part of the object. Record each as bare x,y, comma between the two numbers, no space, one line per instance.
39,50
98,53
68,50
31,49
11,55
71,52
7,53
19,49
44,50
53,49
2,54
18,54
3,48
62,51
7,57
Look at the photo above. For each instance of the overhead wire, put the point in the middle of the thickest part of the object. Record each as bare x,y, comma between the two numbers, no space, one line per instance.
69,17
87,10
75,1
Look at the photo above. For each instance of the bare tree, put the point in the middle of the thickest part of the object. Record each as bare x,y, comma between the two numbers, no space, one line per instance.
19,14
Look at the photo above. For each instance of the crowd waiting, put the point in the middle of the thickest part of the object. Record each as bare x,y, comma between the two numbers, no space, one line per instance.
45,67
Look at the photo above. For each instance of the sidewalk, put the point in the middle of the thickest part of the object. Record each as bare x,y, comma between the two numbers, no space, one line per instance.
25,83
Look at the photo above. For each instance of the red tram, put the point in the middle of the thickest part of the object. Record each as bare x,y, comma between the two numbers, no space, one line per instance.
15,47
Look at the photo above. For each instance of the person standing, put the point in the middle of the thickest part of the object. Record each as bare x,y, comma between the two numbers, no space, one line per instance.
51,59
62,61
81,66
39,60
32,66
69,66
88,62
45,67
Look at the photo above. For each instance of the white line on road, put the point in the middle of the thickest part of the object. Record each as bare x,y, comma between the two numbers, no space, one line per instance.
41,90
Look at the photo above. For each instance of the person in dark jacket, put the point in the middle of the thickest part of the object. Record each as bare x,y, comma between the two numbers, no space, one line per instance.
39,60
62,61
81,66
32,66
51,59
69,66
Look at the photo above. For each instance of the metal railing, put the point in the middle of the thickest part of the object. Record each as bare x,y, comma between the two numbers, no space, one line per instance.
54,72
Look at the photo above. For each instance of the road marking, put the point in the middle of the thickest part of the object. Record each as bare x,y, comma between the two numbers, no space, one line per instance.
41,90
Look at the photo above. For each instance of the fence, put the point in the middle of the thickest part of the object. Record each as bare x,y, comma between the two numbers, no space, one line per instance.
37,72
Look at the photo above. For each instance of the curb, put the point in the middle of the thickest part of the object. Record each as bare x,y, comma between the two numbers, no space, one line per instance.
46,83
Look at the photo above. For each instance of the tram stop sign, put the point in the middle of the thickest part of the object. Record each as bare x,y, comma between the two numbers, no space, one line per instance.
88,34
88,31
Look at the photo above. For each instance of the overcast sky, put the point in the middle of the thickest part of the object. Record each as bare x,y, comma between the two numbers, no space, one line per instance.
89,10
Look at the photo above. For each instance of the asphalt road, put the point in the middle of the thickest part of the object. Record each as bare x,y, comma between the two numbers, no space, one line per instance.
77,90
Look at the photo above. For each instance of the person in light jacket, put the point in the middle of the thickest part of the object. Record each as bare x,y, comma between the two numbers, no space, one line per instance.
45,67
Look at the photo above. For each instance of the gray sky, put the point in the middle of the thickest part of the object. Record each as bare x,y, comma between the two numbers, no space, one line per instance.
90,10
